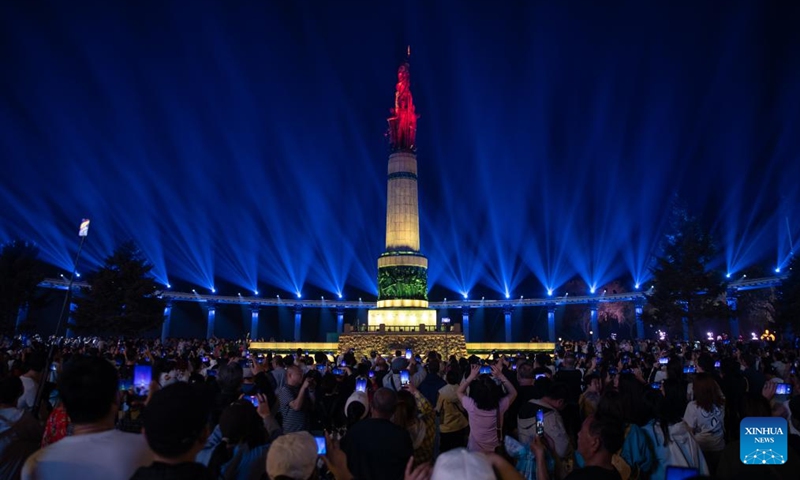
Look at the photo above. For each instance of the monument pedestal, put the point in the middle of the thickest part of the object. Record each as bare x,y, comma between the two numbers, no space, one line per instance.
402,317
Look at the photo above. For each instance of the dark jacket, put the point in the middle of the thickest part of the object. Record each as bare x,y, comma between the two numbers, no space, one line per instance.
181,471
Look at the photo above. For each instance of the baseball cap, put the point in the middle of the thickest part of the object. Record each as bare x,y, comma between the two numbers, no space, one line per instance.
293,455
462,464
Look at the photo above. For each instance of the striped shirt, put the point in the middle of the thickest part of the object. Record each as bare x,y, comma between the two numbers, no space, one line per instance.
293,420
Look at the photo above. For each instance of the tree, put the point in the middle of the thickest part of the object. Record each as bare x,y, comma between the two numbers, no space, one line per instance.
121,297
756,308
788,301
21,271
683,285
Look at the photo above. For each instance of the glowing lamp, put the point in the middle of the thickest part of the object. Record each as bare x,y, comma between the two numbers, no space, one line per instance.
194,291
213,290
340,295
508,295
77,274
169,286
549,292
778,270
465,295
728,275
255,292
592,290
299,295
239,294
636,286
62,275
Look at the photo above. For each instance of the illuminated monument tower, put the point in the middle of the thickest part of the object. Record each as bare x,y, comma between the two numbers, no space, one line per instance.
402,269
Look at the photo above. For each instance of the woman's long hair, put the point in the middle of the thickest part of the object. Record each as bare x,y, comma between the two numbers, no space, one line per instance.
485,392
707,394
239,424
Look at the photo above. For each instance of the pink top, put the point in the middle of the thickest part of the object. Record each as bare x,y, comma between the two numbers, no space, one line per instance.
483,425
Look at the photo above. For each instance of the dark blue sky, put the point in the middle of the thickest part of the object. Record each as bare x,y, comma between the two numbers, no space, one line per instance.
241,143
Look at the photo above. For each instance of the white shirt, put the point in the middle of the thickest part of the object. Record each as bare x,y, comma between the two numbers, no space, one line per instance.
28,398
707,427
109,455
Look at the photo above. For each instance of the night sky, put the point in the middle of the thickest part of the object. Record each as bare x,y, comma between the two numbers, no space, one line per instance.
241,144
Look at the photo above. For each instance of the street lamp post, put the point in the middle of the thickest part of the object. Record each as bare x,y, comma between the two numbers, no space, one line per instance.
446,324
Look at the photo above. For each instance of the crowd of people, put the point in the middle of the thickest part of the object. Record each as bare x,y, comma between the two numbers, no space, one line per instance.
120,409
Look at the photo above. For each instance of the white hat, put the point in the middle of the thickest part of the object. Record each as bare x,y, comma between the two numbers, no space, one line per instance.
293,455
360,397
462,464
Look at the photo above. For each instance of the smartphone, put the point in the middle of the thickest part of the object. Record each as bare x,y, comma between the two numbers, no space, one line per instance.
408,354
403,378
612,371
689,369
513,366
252,399
625,371
663,361
211,373
681,473
337,371
655,385
125,385
717,364
371,374
321,368
142,376
540,375
204,359
321,450
361,385
486,369
783,389
540,423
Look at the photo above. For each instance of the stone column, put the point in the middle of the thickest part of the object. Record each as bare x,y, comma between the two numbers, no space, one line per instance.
212,318
685,322
465,322
253,321
72,307
551,322
165,327
593,321
298,314
638,306
507,311
22,315
733,319
339,319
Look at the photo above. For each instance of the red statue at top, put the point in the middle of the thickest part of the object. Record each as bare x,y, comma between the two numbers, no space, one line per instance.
403,122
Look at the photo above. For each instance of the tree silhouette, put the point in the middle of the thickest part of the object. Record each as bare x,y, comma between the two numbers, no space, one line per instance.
21,271
121,298
788,302
683,285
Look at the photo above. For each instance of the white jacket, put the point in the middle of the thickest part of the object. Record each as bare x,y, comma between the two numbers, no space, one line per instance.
681,451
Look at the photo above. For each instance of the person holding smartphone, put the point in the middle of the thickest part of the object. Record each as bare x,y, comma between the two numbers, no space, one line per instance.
485,408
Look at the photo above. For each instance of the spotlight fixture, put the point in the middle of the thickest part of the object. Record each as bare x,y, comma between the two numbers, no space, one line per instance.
508,295
169,286
77,274
636,286
778,270
549,292
299,295
194,291
465,295
592,290
340,294
728,275
213,290
255,292
239,294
